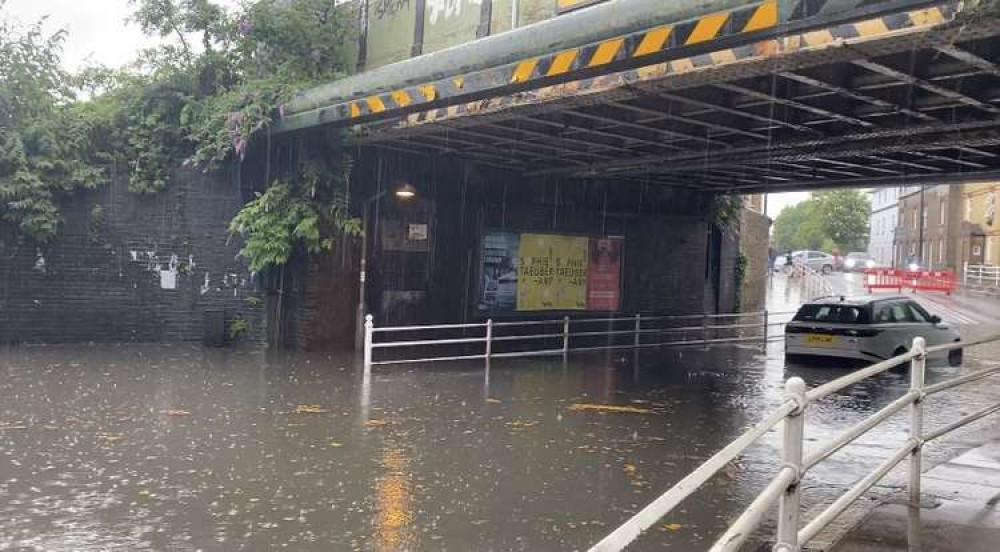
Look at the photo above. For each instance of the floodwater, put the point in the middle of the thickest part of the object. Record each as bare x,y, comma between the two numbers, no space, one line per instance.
150,447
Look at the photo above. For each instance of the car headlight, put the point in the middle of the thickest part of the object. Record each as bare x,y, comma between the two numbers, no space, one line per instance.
849,263
914,267
869,264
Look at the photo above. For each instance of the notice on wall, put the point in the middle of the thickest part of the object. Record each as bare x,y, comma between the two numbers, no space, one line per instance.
552,272
499,272
604,274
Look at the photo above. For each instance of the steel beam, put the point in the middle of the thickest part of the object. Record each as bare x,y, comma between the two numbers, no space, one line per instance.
774,98
930,87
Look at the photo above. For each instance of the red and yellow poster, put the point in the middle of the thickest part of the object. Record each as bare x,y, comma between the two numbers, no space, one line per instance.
604,274
552,272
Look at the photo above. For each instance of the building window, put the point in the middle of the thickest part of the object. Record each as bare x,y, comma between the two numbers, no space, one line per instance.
914,221
943,213
988,254
968,208
923,219
941,252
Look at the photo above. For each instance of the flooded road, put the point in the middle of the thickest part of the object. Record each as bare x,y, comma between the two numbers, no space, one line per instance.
178,448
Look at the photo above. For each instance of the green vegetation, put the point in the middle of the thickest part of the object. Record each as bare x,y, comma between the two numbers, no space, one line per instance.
827,221
197,102
43,135
238,328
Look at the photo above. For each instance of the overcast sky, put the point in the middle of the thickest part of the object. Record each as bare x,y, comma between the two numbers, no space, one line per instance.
97,28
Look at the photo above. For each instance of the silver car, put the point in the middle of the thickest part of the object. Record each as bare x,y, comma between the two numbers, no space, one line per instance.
816,260
870,329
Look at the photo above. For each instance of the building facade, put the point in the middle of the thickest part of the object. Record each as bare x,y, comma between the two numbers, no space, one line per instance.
882,225
979,241
928,226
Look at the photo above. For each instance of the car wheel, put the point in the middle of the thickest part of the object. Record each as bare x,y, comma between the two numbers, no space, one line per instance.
955,357
827,269
904,367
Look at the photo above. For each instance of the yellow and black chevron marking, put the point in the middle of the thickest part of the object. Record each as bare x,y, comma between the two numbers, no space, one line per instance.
862,29
756,17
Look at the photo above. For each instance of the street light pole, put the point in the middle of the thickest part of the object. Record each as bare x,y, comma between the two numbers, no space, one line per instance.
359,324
920,238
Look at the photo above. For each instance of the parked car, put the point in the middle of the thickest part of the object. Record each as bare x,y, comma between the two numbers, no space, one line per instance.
865,329
816,260
858,261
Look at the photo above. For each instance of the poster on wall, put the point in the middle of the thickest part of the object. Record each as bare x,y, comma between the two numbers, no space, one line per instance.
604,274
499,272
550,272
567,5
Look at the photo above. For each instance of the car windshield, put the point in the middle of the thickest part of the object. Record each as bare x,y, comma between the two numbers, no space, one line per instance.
841,314
856,255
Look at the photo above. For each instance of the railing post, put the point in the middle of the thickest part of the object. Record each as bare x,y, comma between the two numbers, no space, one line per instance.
565,335
489,338
766,327
638,328
917,367
965,273
369,331
704,330
791,456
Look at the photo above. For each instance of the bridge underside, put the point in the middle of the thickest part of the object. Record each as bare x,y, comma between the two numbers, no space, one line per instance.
903,99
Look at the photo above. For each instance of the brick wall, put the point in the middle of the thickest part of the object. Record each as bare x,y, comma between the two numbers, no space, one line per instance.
128,267
754,239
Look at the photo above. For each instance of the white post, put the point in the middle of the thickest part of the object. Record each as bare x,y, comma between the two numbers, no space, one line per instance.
917,367
704,330
791,456
766,328
489,338
638,327
369,331
565,335
965,273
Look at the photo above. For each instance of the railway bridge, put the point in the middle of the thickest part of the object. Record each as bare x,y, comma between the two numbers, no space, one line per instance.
627,119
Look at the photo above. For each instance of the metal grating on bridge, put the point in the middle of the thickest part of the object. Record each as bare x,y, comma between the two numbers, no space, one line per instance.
912,97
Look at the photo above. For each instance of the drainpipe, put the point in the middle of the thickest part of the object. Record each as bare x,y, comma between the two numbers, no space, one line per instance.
515,13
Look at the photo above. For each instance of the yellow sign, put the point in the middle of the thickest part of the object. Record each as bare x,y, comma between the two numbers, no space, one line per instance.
566,5
552,272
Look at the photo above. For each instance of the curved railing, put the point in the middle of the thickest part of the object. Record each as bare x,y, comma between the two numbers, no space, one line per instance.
784,487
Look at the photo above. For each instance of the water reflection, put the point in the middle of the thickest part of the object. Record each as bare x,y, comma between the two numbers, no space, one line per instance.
394,516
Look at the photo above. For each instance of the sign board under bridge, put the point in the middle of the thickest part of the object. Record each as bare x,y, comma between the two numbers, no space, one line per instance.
549,272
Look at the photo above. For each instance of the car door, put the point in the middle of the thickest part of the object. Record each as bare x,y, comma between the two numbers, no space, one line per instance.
896,325
931,332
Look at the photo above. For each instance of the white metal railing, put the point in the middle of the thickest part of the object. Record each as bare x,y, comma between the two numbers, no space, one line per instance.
981,274
814,284
784,487
551,337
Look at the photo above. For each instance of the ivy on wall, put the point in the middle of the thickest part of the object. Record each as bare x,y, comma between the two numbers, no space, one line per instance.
219,81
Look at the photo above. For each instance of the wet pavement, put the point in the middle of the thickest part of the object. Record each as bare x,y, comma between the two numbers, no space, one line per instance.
156,447
958,511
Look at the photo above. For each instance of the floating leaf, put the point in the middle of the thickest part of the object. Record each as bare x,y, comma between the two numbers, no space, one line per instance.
671,526
375,423
310,409
491,400
176,413
582,407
